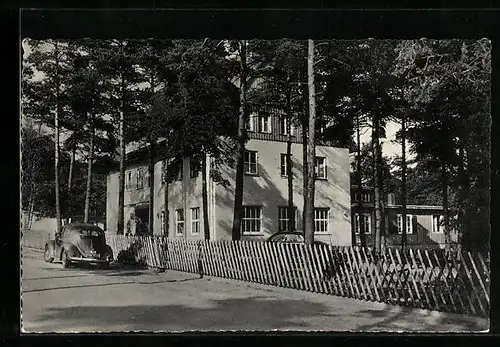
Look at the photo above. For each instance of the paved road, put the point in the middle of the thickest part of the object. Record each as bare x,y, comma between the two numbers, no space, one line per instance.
131,299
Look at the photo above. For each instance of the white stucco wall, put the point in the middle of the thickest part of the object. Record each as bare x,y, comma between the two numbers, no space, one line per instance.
269,190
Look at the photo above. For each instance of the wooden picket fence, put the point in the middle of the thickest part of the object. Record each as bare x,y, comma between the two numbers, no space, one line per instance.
440,280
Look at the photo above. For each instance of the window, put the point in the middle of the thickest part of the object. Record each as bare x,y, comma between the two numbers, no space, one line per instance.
194,168
355,196
320,168
195,220
146,177
365,197
284,126
162,222
250,125
283,219
367,223
284,165
409,224
128,179
140,178
265,123
252,220
437,223
179,222
321,220
250,161
259,123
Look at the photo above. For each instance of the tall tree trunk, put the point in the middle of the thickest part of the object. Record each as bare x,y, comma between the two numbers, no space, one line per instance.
165,194
89,173
31,208
121,178
70,181
151,179
33,186
444,181
57,145
359,177
240,147
206,222
289,169
311,149
151,168
403,179
305,167
289,162
462,194
377,188
71,165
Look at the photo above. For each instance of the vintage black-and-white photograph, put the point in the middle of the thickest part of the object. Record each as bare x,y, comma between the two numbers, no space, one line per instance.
176,185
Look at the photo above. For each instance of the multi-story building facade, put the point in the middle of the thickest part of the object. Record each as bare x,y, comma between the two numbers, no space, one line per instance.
423,222
179,214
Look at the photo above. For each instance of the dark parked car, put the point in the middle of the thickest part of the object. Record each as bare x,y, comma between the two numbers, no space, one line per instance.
79,243
291,236
297,237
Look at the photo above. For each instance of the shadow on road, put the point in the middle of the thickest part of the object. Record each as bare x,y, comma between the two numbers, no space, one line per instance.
254,313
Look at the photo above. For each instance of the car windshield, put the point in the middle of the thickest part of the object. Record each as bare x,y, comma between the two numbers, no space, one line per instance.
86,233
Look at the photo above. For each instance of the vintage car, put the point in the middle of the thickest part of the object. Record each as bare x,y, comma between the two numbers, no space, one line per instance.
79,243
330,263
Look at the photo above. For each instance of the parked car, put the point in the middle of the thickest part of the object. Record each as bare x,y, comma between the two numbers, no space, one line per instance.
291,236
329,270
79,243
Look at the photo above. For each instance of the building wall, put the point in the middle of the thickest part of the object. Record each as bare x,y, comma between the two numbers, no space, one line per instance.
269,190
422,219
182,194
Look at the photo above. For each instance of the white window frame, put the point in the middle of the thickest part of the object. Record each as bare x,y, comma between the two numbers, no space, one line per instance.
265,120
316,168
250,125
283,165
409,224
438,225
195,221
128,179
367,223
355,197
247,165
139,178
247,220
284,126
162,223
365,197
283,219
179,222
321,220
146,177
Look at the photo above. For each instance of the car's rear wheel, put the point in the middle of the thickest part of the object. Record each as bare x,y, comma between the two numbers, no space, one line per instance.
64,259
47,256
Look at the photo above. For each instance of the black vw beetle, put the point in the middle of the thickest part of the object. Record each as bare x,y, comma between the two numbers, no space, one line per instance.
79,243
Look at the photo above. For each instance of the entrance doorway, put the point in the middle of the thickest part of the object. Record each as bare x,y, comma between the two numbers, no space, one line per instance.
142,220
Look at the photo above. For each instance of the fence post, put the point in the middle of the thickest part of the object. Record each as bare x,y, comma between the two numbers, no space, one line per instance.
200,255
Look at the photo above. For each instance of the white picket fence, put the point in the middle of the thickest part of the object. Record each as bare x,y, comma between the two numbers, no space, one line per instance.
431,279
